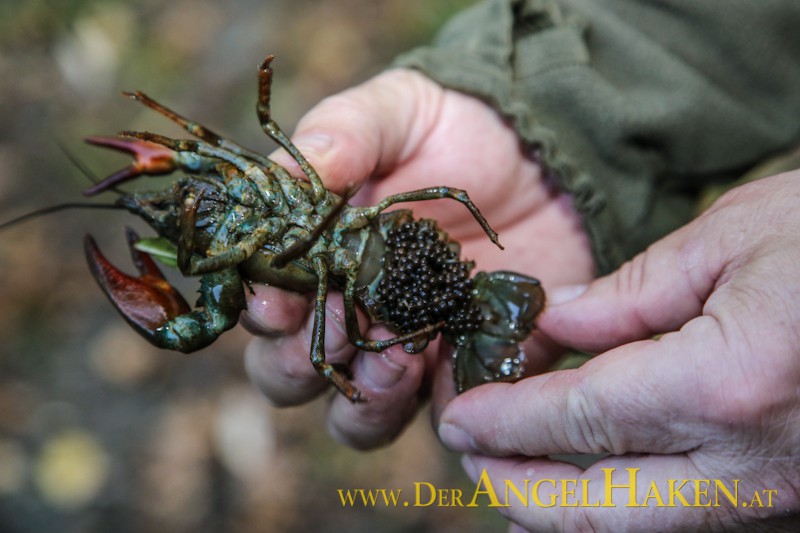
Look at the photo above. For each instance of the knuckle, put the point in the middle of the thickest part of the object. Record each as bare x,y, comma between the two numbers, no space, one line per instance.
586,430
632,281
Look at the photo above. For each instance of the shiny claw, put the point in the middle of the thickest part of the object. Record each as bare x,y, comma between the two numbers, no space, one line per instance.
149,158
157,311
147,302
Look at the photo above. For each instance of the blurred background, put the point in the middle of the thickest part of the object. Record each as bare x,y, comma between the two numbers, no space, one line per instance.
98,430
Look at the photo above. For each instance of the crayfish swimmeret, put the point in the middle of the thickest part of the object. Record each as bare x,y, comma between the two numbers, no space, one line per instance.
239,216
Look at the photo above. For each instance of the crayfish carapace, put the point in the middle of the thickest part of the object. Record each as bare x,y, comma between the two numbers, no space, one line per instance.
236,216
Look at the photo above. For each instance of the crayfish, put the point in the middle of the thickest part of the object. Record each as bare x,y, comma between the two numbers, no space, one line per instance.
237,216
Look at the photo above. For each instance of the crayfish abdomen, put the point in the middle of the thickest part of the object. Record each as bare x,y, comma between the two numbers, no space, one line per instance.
238,216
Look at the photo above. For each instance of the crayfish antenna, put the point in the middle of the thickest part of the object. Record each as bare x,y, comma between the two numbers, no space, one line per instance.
77,162
55,209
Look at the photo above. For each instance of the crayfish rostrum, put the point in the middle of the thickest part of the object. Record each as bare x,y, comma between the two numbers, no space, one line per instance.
237,216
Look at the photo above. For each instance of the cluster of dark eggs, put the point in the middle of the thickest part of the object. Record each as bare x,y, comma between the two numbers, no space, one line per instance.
425,282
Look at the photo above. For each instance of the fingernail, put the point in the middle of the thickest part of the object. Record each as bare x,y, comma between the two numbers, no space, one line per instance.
316,142
567,293
311,145
456,438
380,371
254,325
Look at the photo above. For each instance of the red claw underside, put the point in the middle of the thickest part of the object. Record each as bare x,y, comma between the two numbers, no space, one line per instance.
149,158
147,302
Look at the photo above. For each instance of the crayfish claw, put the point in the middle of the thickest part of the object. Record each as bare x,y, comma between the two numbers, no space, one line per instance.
149,158
142,261
147,302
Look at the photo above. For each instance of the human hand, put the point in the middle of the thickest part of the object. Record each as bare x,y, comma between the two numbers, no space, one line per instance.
396,133
715,398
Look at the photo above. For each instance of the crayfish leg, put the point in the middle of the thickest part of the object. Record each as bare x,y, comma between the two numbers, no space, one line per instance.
198,130
274,131
324,369
414,341
437,193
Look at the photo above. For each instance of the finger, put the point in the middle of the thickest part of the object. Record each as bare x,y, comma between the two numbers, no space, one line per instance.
350,136
443,386
616,494
627,400
658,291
390,381
280,366
274,312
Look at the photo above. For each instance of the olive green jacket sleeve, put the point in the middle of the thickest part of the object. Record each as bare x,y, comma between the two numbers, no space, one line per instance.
633,106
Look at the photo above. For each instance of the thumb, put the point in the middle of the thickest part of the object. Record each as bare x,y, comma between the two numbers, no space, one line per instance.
366,130
657,291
